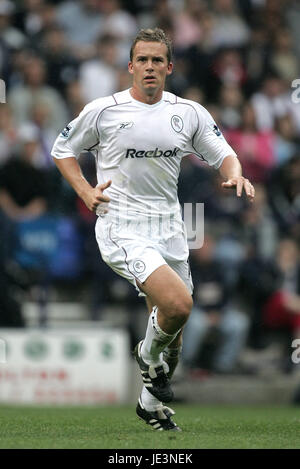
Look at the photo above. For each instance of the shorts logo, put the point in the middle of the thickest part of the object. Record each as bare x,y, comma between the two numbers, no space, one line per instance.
125,125
66,132
177,123
139,266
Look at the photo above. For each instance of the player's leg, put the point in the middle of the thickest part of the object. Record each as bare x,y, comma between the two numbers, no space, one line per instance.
172,352
174,349
171,357
146,399
144,266
173,304
167,291
150,409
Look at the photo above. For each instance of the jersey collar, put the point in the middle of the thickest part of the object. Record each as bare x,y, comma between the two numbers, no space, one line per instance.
145,105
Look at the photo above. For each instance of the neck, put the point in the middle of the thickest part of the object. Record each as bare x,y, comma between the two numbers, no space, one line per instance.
139,95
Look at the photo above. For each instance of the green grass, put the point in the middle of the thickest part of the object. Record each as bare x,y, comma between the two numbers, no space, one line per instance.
118,427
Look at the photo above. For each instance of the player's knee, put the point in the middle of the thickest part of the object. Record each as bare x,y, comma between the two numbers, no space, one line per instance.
180,308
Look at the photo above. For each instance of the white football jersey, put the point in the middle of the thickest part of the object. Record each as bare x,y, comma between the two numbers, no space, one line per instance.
140,146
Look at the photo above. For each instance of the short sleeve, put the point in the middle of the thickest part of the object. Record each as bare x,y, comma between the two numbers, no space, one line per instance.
208,142
78,136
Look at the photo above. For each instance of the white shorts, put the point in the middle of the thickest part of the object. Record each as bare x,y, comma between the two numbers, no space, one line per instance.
135,257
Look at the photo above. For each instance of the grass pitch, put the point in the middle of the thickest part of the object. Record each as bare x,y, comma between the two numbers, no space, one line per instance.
118,427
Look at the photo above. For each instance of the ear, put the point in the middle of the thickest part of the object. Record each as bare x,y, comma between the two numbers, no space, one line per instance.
130,67
170,68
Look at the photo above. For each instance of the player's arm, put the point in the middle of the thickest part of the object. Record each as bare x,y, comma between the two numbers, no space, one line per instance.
71,171
231,170
211,146
77,137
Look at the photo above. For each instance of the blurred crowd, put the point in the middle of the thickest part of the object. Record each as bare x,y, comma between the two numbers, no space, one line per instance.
238,58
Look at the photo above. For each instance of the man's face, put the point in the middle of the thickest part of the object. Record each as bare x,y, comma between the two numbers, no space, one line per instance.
150,67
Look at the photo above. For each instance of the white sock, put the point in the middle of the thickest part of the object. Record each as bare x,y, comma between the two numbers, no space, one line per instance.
156,340
149,402
173,352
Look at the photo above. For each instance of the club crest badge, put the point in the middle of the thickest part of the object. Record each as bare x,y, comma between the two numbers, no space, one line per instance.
139,266
177,123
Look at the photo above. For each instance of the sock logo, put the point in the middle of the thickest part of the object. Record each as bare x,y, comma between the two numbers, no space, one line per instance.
153,323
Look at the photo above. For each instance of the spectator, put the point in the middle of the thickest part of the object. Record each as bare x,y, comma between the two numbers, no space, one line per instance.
62,66
272,17
23,97
179,82
8,133
231,103
270,102
283,61
255,148
82,22
213,309
98,76
225,67
187,24
258,228
229,29
222,206
256,58
283,307
11,36
28,16
34,17
286,139
228,68
121,24
23,193
284,193
292,16
74,98
270,289
199,58
10,307
160,14
45,134
11,39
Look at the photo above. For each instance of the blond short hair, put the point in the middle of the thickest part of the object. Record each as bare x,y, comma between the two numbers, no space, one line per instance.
153,35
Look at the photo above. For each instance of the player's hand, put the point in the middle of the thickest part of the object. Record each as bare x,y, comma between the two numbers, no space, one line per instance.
241,184
95,197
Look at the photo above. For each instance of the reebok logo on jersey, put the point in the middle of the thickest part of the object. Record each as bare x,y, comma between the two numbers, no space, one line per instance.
125,125
133,153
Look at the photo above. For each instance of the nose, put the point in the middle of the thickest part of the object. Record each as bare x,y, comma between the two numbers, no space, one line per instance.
149,65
